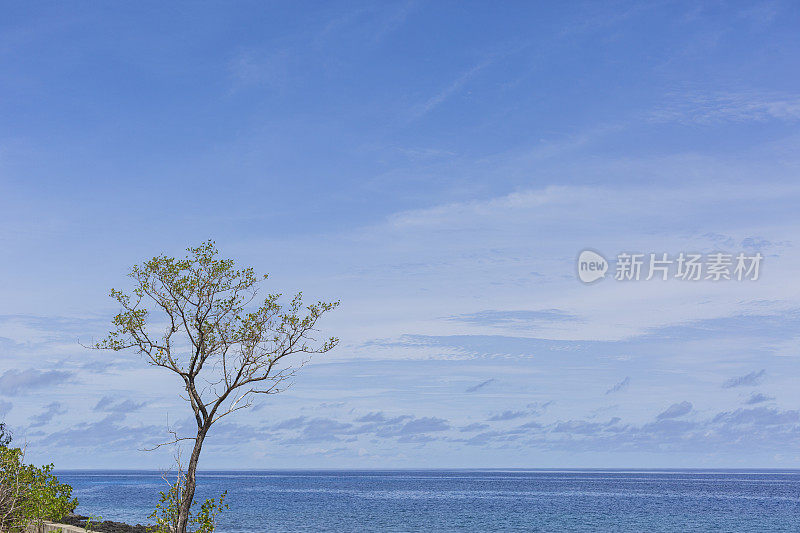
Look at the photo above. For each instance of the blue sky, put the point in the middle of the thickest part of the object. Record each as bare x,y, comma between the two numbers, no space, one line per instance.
437,166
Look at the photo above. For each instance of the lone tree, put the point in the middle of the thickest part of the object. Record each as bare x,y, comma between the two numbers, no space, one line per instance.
208,326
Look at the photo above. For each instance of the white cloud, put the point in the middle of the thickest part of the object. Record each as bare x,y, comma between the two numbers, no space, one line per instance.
15,381
745,106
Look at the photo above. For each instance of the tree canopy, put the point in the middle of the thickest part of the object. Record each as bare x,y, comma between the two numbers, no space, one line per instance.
201,317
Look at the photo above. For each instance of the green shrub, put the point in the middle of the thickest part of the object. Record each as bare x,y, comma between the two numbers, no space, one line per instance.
169,504
30,495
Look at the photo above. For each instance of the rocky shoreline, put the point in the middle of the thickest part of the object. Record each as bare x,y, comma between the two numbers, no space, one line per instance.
106,526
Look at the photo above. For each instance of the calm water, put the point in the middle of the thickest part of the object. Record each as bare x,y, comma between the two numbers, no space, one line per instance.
467,500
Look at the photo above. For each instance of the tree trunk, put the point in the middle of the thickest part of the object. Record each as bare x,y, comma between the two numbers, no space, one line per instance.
191,481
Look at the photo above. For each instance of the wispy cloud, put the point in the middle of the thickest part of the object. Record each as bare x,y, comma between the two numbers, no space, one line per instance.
448,92
480,385
292,423
515,319
110,404
425,425
477,426
471,234
507,415
374,22
622,385
747,106
109,431
758,416
758,397
735,429
740,430
748,380
675,410
19,381
50,411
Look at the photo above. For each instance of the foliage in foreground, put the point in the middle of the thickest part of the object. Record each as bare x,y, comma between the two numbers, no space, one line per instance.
5,436
30,495
168,509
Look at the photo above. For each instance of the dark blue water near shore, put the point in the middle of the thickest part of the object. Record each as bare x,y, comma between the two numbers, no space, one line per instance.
466,500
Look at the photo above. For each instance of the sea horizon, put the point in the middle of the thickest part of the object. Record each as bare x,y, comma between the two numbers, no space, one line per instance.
463,499
456,469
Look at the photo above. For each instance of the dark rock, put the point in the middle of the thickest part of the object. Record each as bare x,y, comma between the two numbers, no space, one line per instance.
106,526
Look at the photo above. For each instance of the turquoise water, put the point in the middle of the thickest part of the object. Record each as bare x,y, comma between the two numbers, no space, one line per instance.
757,501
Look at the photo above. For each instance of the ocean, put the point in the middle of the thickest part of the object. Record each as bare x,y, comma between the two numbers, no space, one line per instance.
465,500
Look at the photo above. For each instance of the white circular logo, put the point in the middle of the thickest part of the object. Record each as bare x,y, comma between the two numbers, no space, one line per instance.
591,266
